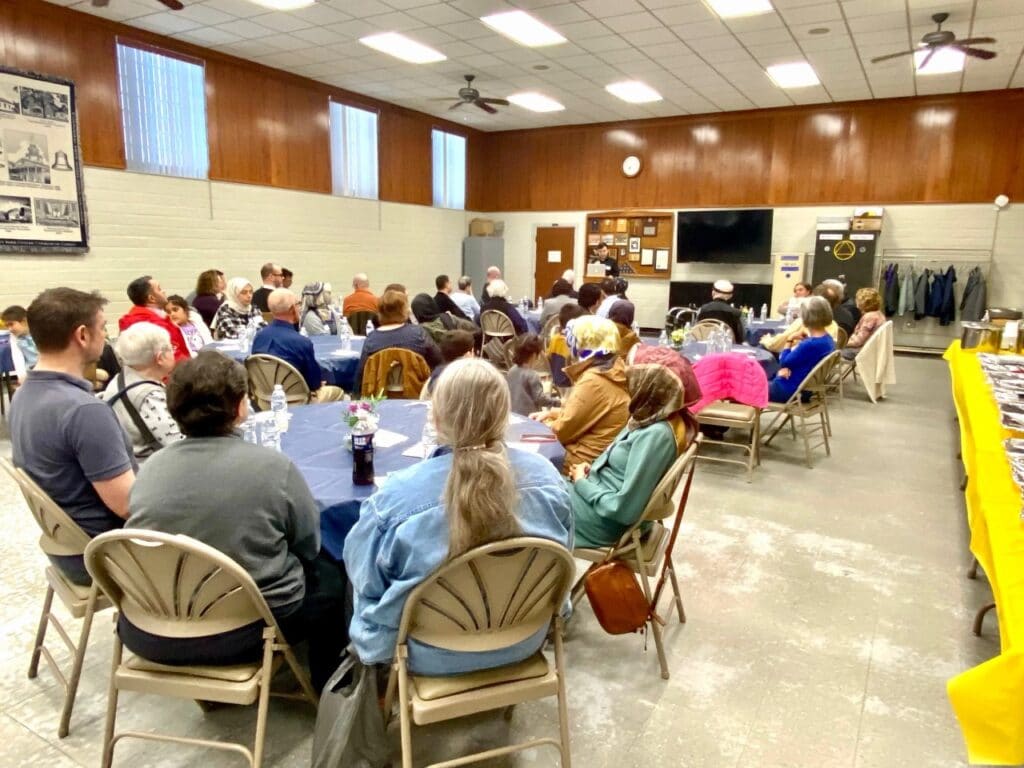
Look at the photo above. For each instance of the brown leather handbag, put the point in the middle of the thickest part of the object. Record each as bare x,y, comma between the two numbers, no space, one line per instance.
618,602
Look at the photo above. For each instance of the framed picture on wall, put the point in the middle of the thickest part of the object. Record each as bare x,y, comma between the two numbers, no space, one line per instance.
42,205
634,245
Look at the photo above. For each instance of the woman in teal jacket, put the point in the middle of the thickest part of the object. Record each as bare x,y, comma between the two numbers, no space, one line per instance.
610,495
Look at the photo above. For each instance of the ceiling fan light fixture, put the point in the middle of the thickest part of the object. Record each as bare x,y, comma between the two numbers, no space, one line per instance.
535,102
943,62
633,91
402,47
285,5
732,9
796,74
522,28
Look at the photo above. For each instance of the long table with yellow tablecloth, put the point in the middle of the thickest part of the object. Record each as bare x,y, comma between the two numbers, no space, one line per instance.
989,699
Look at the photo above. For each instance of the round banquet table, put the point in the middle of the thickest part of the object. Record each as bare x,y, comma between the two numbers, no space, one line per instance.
695,350
339,368
758,328
533,320
315,441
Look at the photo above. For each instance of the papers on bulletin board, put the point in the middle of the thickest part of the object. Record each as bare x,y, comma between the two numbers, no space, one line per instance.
647,256
661,259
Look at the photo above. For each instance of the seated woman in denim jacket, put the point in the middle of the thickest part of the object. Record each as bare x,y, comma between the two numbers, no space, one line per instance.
473,493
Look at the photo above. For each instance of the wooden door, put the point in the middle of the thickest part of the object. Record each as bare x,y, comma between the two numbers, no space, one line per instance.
553,255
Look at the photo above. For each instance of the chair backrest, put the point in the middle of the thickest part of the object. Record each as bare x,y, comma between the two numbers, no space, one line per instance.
174,586
494,323
267,316
399,372
497,352
60,534
491,597
549,329
358,320
816,381
841,338
265,371
660,505
703,330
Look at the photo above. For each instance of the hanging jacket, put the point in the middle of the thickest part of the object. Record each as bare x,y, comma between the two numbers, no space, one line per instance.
921,294
907,285
947,308
933,308
972,305
892,290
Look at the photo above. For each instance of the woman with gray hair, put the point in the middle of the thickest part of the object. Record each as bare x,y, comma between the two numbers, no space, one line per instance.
137,393
804,352
497,291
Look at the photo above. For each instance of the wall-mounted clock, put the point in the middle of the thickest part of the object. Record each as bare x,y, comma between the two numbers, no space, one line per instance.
631,166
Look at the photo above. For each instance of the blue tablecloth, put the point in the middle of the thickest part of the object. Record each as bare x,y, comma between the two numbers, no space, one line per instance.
533,320
338,369
6,360
315,441
758,328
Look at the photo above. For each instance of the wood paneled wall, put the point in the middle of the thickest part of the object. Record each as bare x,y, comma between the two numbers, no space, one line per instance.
948,149
265,126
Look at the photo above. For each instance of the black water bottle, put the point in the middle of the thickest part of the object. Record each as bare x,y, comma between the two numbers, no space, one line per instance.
362,459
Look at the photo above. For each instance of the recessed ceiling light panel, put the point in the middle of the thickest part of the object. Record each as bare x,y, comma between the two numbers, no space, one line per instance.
523,28
285,5
535,102
731,9
797,74
402,47
633,91
944,61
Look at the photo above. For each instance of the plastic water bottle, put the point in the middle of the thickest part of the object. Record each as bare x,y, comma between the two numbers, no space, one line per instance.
540,302
270,435
279,407
249,430
345,334
428,438
764,311
369,327
663,339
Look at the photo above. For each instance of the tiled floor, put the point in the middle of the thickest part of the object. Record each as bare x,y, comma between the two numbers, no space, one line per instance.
827,608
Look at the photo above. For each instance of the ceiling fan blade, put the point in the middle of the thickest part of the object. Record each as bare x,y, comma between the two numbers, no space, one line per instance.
976,41
978,53
485,107
440,98
499,102
926,59
174,5
893,56
456,105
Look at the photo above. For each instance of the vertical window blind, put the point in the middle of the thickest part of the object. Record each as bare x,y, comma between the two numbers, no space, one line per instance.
449,162
163,108
353,151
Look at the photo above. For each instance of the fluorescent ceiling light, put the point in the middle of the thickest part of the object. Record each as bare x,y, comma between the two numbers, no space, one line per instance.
944,61
536,102
401,47
798,74
730,9
285,5
633,91
523,28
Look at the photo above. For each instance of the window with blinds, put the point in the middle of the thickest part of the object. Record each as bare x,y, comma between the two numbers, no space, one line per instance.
163,109
353,151
449,162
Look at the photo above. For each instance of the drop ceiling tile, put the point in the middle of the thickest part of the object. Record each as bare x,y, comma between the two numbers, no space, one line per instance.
353,30
647,37
765,36
688,13
166,23
394,22
208,36
120,11
557,15
203,14
438,14
467,30
318,36
241,9
812,14
631,22
281,22
897,37
601,9
700,29
357,8
776,53
725,55
282,43
321,14
664,50
246,29
855,8
558,53
583,30
403,5
606,43
622,56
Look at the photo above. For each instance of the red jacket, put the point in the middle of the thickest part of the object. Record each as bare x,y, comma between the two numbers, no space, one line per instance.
147,315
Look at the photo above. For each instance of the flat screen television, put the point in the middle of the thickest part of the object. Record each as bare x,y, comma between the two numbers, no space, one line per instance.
725,237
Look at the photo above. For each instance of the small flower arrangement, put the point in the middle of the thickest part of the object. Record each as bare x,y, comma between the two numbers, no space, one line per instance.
679,336
361,415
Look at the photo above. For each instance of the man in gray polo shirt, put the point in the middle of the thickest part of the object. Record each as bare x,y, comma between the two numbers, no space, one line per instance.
69,442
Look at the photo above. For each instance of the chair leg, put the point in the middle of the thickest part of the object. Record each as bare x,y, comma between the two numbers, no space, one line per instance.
678,594
76,668
404,714
972,572
563,706
807,441
44,621
980,617
108,729
389,693
269,636
826,433
653,621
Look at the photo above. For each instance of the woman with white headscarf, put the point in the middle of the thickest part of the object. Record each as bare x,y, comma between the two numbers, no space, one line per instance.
317,318
597,407
237,312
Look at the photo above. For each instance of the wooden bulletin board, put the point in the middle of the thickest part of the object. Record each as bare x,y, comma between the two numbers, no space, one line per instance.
635,238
